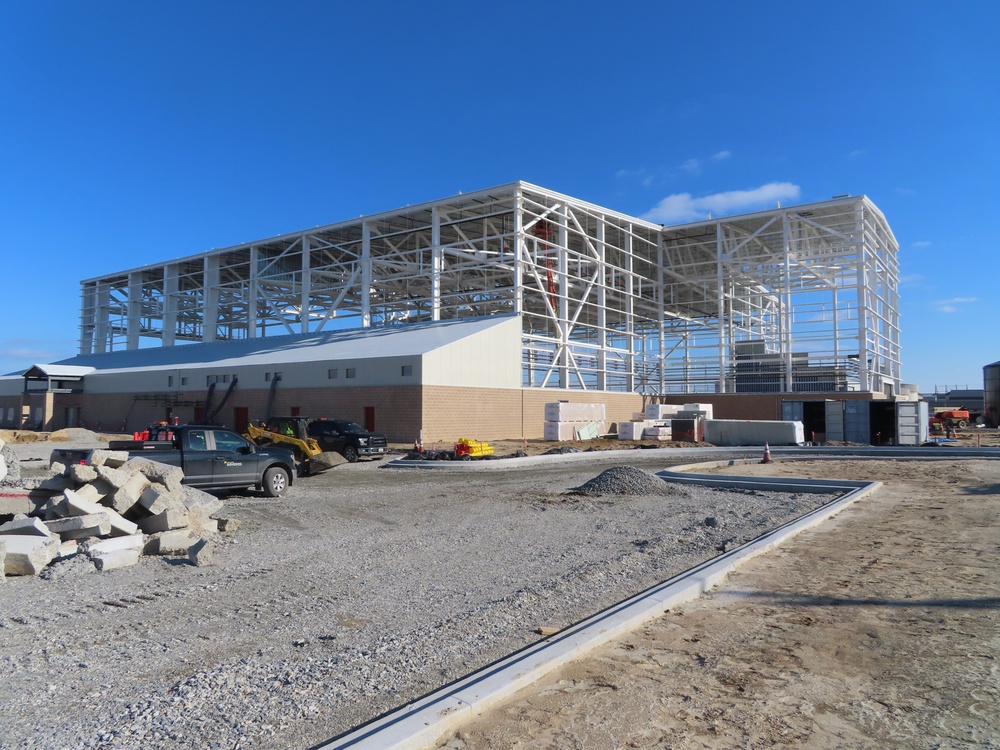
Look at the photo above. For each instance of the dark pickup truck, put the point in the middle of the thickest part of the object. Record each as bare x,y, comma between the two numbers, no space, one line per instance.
349,439
213,458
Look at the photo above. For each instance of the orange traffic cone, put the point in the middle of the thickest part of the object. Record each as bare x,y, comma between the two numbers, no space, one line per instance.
767,453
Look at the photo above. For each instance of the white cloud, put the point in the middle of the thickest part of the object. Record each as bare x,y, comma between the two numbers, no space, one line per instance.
681,207
921,244
952,305
692,165
856,154
721,155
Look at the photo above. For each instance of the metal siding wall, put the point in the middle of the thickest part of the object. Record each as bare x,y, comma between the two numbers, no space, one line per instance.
856,421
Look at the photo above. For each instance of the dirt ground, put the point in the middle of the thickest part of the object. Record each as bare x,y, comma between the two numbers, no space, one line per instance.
880,628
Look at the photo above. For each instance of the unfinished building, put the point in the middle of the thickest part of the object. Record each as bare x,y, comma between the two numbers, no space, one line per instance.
744,311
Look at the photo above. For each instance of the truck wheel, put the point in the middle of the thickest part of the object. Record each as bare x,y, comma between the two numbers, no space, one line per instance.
962,423
350,453
275,481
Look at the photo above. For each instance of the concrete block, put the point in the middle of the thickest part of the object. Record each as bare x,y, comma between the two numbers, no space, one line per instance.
3,468
13,464
76,505
111,459
80,527
156,498
27,555
195,499
26,526
95,547
56,484
165,521
169,543
115,477
171,477
201,552
115,560
81,473
3,557
57,467
15,501
228,525
68,548
128,494
201,524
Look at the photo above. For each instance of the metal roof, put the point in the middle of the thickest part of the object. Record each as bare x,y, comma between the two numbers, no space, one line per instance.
356,343
57,371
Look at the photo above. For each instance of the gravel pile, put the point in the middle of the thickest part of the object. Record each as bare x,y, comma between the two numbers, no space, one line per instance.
360,590
626,480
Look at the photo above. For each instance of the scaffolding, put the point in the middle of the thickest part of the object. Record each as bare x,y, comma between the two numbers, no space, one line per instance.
802,298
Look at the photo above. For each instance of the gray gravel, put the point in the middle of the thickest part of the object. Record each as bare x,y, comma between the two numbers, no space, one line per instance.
363,588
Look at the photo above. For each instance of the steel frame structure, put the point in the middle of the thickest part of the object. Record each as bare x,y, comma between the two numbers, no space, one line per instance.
795,299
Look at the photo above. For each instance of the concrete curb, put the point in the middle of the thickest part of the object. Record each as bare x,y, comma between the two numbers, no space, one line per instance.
750,451
423,722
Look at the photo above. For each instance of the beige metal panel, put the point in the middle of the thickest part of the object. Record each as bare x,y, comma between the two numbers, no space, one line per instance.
490,359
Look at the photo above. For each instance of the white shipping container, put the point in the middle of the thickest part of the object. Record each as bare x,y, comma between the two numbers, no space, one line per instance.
755,432
566,411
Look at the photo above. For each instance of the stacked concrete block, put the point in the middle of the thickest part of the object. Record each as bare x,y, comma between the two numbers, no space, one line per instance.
111,510
565,421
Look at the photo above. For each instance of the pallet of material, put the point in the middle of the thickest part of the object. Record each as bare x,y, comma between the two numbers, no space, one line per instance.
566,411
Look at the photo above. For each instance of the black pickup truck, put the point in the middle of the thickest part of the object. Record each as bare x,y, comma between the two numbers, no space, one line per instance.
213,458
349,439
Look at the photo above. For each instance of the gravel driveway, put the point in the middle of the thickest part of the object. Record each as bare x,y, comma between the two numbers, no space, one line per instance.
363,588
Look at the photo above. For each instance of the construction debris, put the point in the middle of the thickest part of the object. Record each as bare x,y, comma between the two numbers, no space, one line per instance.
106,512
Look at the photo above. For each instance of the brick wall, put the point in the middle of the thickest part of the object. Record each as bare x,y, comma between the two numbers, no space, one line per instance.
504,414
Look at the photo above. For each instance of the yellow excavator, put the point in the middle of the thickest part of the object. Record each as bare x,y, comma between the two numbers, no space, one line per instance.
291,433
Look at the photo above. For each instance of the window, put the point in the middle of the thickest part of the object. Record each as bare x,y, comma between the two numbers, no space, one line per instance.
331,374
184,381
197,441
170,381
227,441
350,372
407,371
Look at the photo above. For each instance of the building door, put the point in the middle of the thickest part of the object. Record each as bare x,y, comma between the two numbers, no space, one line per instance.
370,418
241,418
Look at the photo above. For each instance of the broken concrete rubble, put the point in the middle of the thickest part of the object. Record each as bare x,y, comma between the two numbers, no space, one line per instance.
100,512
27,555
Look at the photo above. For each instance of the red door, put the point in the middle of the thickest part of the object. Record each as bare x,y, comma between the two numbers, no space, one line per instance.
370,418
241,417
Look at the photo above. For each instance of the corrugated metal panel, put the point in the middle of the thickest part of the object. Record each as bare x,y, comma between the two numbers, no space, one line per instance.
856,422
792,411
835,421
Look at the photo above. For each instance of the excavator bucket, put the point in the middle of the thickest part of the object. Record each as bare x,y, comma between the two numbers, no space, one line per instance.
323,462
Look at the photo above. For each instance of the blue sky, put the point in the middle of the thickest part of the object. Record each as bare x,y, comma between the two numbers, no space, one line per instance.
134,133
